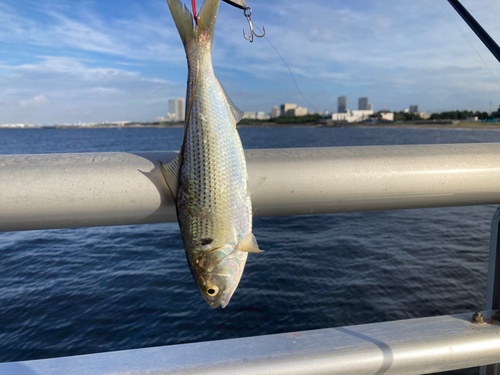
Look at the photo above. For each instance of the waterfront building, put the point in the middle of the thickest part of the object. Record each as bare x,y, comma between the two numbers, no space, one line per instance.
275,112
413,108
249,115
13,125
171,108
363,104
342,104
352,116
387,116
176,110
287,109
263,116
370,107
181,109
299,111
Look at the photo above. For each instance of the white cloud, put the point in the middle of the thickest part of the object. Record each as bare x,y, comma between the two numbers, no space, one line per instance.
37,101
80,93
391,50
140,38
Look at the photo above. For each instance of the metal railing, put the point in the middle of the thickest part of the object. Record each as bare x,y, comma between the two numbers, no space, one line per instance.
415,346
95,189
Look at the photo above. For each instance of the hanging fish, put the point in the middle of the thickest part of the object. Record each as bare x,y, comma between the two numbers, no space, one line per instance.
208,180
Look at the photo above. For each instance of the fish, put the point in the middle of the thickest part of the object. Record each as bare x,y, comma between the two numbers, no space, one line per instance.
208,180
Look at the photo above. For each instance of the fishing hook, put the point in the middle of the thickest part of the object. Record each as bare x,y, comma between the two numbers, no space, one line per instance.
248,14
247,11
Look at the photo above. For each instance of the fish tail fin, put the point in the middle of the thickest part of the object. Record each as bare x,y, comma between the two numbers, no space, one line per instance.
207,18
183,19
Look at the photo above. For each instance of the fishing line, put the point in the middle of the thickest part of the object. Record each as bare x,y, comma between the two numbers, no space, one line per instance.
484,62
288,67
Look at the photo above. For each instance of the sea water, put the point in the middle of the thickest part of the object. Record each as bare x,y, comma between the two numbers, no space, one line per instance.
88,290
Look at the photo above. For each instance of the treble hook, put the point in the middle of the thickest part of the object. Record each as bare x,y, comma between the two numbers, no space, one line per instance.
248,14
247,11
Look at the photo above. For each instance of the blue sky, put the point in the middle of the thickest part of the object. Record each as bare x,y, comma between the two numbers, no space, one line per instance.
64,61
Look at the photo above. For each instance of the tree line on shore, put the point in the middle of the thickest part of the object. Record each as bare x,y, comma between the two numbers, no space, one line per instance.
284,120
450,115
398,116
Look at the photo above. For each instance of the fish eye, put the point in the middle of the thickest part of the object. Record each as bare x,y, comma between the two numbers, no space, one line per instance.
212,290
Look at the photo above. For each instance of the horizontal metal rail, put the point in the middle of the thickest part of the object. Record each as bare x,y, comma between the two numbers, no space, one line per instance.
415,346
97,189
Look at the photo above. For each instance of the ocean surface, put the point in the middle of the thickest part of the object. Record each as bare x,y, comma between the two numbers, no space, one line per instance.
88,290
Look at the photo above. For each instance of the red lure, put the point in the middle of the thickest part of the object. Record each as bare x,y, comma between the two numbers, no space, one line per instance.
193,4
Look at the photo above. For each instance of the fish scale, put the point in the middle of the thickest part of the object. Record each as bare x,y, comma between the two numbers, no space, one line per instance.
208,180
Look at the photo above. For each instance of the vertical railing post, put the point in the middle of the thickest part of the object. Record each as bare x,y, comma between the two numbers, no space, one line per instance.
493,286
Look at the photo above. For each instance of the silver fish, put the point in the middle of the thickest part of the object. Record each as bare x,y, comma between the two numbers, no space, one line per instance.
208,180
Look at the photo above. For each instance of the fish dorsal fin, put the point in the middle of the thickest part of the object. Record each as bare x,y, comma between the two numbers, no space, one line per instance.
249,244
171,172
255,182
237,113
183,20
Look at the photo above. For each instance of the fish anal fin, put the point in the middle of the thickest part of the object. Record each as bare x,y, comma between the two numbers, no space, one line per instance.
249,244
171,172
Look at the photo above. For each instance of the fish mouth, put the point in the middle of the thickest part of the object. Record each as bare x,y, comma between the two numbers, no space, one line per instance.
225,299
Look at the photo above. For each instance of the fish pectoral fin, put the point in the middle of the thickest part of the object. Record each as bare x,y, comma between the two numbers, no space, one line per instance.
171,172
249,244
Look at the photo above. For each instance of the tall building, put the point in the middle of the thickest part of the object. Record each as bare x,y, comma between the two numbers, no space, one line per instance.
275,112
342,104
180,109
176,109
413,108
363,104
287,109
172,109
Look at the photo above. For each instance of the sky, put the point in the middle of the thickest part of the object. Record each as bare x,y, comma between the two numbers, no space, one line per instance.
66,61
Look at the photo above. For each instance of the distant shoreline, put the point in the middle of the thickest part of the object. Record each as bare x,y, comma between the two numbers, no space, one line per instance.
408,124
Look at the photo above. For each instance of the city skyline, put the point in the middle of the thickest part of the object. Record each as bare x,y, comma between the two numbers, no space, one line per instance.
66,62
